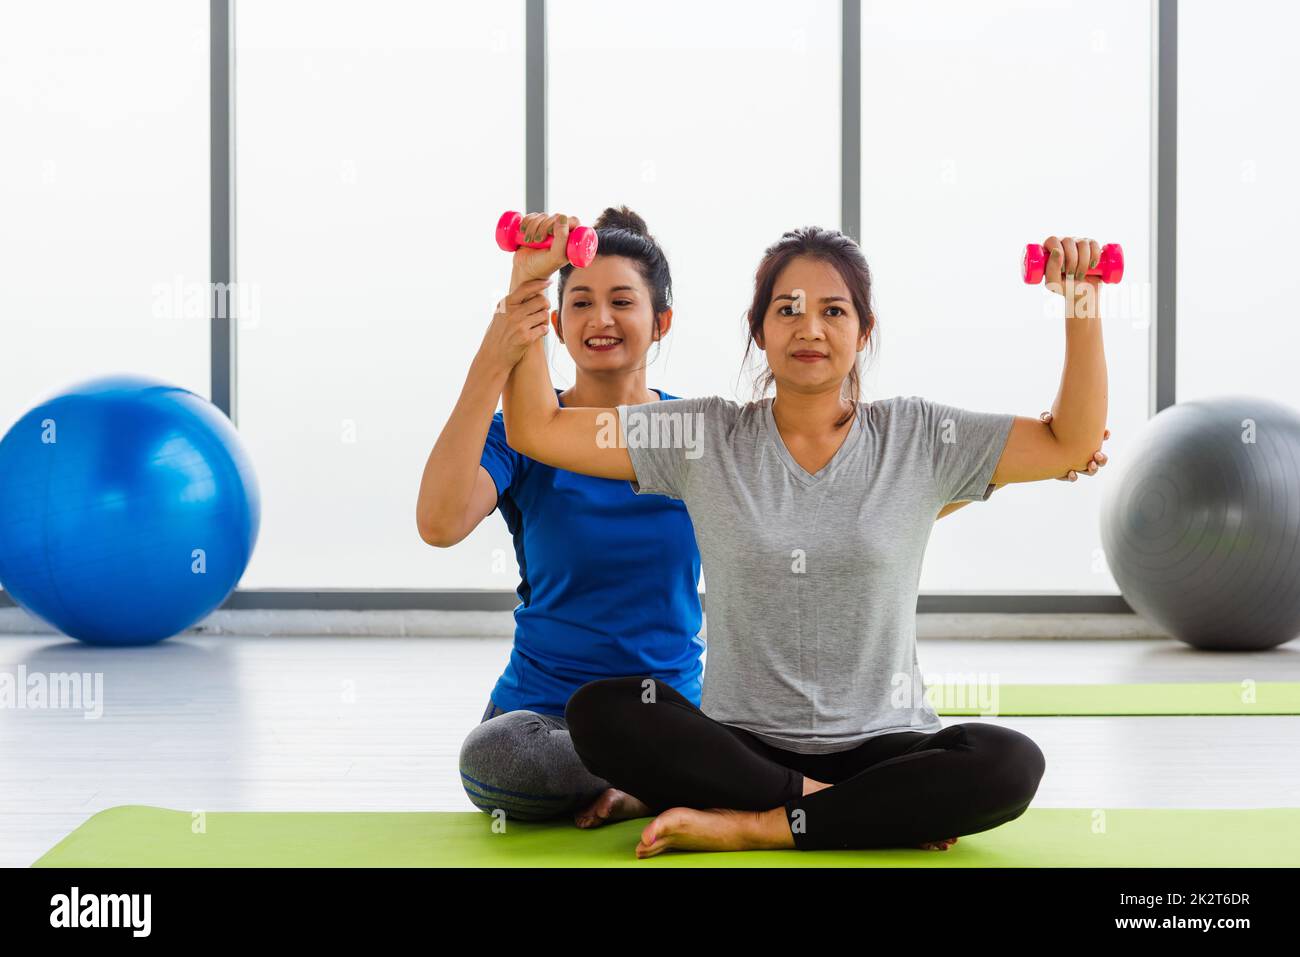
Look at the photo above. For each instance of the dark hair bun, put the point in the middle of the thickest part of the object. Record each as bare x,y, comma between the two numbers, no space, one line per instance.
622,218
623,233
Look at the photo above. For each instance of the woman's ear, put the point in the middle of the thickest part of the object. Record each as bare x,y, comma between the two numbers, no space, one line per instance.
555,324
664,323
758,333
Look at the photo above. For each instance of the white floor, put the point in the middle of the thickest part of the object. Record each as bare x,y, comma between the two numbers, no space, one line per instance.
221,722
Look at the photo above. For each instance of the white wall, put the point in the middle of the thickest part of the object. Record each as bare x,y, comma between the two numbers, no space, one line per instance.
103,195
377,144
1238,200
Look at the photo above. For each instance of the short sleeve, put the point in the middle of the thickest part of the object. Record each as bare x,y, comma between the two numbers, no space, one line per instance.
501,461
965,447
663,439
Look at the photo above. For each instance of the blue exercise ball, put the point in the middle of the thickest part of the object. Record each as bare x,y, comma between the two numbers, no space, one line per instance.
128,510
1201,528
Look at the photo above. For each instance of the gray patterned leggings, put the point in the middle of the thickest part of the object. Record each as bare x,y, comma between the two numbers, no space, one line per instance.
523,763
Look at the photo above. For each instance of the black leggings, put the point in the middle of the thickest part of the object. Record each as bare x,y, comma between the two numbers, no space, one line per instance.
894,790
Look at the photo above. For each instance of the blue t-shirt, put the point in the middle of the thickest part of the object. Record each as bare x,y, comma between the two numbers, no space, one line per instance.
609,582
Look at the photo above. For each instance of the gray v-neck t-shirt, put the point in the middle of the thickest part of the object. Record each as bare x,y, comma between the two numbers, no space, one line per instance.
812,579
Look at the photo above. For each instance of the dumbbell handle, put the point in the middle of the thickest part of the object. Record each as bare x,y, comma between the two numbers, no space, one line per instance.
581,247
1110,265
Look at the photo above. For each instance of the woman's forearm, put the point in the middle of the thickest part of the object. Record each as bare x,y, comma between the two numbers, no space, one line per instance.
528,399
452,468
528,402
1079,412
582,440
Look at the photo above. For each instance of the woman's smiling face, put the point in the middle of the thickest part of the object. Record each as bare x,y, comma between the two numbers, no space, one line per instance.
607,317
811,328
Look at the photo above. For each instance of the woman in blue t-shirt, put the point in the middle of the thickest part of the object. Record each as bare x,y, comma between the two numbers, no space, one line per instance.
609,580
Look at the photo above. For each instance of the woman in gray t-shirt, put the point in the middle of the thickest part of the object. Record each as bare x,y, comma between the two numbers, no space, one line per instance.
812,510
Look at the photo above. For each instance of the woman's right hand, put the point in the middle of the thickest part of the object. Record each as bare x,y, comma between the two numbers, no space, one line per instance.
521,318
532,263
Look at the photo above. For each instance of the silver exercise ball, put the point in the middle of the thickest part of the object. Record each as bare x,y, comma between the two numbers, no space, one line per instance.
1201,528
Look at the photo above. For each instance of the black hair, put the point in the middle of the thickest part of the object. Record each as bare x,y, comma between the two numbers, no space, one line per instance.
621,232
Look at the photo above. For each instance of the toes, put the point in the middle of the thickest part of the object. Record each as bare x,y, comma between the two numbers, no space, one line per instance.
941,845
650,849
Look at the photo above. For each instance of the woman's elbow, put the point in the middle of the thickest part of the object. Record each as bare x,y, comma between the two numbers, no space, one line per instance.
519,441
1075,458
437,532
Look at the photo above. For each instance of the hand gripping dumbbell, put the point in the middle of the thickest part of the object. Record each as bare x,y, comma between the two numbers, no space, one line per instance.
1110,266
581,247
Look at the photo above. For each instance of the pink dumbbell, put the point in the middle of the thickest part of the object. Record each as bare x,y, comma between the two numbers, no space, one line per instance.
1110,267
581,248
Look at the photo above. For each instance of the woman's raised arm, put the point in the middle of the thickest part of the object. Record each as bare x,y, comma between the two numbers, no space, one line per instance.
587,441
456,491
1035,449
583,440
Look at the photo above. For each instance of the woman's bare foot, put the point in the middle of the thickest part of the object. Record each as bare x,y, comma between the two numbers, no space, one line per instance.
612,805
939,845
719,829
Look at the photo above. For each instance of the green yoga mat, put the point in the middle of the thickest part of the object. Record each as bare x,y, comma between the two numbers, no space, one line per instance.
136,836
1189,698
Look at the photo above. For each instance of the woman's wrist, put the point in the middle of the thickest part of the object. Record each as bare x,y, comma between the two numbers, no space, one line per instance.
518,277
